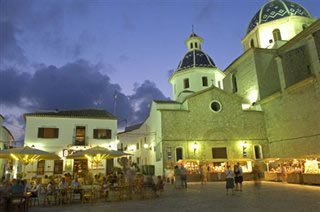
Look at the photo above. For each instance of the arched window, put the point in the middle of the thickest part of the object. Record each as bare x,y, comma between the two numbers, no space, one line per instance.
191,45
179,153
186,83
276,34
196,45
252,43
234,84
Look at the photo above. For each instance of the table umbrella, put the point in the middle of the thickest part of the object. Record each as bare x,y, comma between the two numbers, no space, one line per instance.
96,154
27,155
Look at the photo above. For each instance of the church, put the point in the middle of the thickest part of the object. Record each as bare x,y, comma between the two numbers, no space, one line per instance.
263,107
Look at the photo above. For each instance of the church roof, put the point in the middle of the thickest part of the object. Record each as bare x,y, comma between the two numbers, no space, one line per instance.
195,58
276,9
165,102
84,113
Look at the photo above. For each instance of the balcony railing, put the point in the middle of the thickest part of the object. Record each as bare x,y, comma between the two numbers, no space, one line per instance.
80,141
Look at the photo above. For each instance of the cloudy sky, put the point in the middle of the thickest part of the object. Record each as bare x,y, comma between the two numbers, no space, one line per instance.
71,54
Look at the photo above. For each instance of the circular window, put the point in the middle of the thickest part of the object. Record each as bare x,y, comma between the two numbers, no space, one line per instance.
215,106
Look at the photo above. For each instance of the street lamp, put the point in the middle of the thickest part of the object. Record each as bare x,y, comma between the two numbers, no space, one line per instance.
195,146
244,148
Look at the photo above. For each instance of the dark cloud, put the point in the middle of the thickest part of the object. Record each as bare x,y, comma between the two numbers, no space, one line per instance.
12,87
74,86
10,50
142,98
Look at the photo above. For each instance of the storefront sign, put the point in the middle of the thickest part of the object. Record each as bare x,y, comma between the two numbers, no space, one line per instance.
67,152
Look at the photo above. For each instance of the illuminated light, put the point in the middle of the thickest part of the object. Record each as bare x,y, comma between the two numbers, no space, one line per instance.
253,96
87,156
14,157
146,146
195,146
132,148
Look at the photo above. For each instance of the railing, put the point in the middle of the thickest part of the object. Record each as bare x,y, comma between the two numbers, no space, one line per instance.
80,141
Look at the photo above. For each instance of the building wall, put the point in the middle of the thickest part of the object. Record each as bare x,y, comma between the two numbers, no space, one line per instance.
267,72
66,136
293,120
246,77
229,128
148,133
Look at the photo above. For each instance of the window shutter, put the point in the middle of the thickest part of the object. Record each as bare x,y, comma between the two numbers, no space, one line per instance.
95,133
40,132
56,132
108,134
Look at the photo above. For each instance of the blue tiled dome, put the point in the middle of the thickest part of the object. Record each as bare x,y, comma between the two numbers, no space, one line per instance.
277,9
195,58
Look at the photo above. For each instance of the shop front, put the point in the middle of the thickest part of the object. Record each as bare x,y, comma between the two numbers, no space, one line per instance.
303,170
215,169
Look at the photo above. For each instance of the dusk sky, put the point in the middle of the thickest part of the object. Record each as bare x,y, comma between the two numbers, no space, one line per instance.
72,54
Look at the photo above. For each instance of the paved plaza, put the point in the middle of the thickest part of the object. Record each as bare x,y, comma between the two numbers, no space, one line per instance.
212,197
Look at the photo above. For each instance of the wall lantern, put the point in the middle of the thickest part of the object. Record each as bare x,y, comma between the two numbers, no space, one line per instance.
195,146
244,148
146,146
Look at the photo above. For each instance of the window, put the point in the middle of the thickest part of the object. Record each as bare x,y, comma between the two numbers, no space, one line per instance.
80,138
40,167
258,152
234,83
219,84
58,167
137,146
215,106
179,153
138,160
204,81
48,132
191,45
186,83
219,152
252,43
145,140
102,133
80,165
276,34
196,45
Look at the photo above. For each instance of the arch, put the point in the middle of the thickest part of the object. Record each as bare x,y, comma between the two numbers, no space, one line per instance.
186,83
276,34
179,153
234,83
196,45
191,45
252,43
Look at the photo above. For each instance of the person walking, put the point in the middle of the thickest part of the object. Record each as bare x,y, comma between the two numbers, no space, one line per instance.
177,177
229,180
238,178
183,177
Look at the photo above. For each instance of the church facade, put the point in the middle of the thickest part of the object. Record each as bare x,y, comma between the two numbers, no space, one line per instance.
264,105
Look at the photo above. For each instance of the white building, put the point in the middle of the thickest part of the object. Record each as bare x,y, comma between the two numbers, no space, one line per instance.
63,132
6,140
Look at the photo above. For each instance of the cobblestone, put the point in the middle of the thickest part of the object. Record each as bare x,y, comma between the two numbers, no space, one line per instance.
212,197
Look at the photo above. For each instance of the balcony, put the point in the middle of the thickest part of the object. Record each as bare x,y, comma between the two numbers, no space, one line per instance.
79,141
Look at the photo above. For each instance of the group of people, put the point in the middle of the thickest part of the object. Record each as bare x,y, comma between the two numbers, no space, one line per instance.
180,176
234,176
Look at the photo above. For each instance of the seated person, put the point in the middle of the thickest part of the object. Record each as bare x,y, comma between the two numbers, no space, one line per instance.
17,188
150,183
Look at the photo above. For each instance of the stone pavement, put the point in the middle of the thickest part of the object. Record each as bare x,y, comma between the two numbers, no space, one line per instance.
212,197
